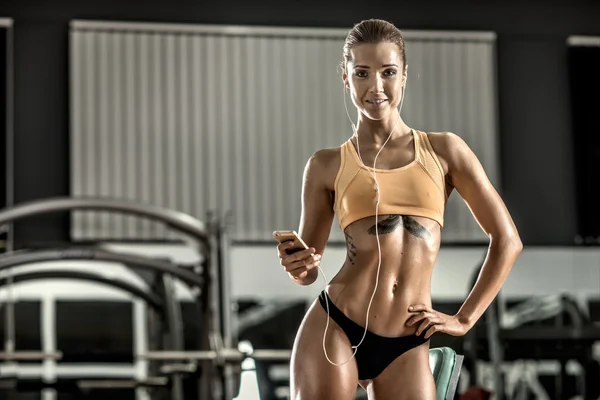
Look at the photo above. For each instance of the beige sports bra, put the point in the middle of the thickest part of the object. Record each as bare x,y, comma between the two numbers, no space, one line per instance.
416,189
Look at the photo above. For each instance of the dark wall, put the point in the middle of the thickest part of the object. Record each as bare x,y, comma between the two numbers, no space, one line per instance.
4,56
535,125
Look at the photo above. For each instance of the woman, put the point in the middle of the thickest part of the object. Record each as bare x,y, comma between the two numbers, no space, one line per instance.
388,185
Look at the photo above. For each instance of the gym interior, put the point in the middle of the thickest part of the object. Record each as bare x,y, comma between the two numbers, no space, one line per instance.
151,149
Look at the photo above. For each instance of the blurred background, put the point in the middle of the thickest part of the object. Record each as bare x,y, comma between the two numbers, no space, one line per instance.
185,126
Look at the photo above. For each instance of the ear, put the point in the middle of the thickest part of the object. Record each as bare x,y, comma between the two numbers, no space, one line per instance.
345,79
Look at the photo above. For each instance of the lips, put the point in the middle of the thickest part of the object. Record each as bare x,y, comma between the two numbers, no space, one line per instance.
376,101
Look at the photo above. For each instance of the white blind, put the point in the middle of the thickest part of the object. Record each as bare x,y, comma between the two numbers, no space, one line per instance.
223,118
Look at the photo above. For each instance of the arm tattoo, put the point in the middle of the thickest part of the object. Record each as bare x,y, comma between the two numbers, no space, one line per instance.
351,248
392,222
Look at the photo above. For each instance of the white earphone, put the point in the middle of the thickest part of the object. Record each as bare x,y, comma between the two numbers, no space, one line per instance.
377,191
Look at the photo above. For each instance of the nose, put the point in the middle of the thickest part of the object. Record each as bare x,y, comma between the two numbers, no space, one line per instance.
377,84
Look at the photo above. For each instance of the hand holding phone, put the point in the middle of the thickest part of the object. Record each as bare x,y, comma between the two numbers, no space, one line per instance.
295,256
291,241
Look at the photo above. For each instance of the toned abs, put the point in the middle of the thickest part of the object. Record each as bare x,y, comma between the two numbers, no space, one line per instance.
409,247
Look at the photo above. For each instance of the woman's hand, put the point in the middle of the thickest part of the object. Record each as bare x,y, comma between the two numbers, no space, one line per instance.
430,321
299,264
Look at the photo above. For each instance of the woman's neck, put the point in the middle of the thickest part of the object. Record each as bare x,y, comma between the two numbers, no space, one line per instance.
380,130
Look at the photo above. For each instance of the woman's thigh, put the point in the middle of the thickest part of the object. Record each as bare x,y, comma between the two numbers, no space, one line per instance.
408,377
312,375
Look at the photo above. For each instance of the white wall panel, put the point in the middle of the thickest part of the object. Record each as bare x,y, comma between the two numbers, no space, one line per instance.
223,119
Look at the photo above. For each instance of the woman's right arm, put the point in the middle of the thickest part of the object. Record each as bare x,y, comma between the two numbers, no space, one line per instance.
315,219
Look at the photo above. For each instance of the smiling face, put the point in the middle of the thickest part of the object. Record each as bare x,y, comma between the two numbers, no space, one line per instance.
375,74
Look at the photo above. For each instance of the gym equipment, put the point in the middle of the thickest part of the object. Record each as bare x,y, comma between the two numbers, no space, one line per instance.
445,365
151,299
541,328
174,372
198,277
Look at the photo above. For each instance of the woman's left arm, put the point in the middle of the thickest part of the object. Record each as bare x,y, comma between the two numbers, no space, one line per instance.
466,174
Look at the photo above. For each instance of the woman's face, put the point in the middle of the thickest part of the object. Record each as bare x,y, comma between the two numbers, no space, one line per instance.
375,75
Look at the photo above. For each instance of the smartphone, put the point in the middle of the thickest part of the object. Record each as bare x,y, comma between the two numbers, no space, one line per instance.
284,236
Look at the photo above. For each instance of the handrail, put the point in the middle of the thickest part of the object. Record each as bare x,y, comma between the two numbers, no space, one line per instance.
176,220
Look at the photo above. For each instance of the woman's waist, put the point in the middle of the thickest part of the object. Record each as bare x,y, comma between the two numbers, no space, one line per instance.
394,274
387,307
390,254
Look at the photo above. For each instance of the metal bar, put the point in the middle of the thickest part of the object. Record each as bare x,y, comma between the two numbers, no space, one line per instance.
119,383
224,265
171,369
28,257
214,307
30,355
453,384
175,324
35,385
225,355
48,338
142,328
87,370
227,319
153,300
179,221
495,348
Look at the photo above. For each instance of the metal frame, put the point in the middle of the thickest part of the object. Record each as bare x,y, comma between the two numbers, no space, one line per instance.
453,384
150,298
166,269
23,257
175,339
230,382
495,347
192,228
176,220
169,308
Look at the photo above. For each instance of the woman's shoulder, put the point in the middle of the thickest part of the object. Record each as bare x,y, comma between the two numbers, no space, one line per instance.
448,146
443,143
325,163
328,157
